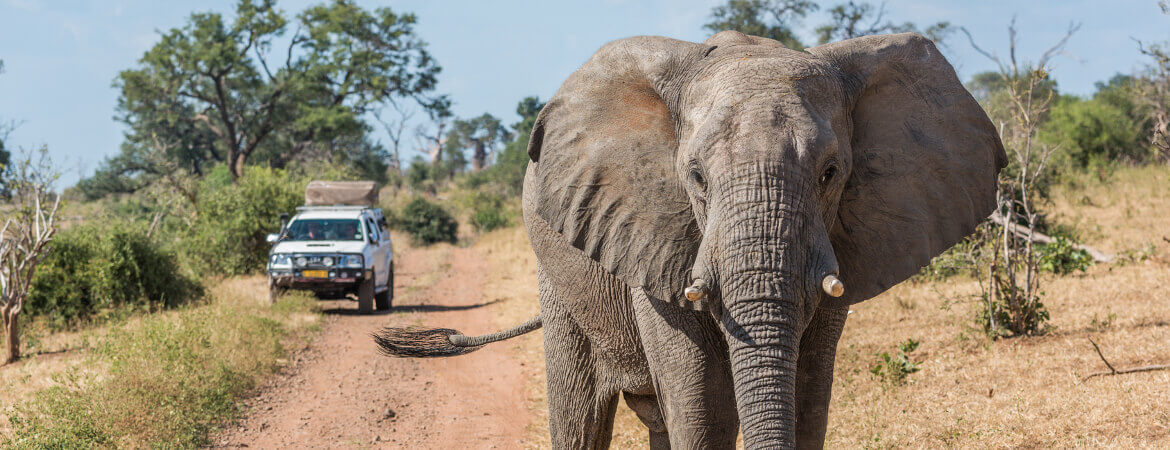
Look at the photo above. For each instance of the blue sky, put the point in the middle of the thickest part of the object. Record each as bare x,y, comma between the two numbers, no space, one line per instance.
61,56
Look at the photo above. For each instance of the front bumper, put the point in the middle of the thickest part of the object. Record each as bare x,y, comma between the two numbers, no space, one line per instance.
335,279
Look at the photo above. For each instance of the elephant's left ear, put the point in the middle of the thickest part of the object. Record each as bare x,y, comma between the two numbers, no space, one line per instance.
925,161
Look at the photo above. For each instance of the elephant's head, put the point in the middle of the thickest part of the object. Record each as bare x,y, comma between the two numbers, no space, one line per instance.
755,172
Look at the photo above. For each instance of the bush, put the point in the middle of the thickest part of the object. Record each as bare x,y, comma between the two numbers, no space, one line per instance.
488,212
1093,133
92,271
228,236
426,222
1061,258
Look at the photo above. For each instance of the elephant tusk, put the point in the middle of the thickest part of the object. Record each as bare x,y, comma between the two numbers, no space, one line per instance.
833,286
697,290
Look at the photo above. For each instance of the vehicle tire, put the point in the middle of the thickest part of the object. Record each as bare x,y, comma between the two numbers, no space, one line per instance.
365,296
274,291
385,299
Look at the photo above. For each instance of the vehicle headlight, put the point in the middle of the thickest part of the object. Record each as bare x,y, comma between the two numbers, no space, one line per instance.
302,261
327,261
280,261
352,261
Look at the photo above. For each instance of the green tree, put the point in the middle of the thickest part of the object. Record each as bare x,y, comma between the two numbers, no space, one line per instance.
855,19
508,171
1093,132
773,19
481,134
216,91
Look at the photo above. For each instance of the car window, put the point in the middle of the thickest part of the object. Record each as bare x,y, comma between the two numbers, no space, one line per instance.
325,230
373,230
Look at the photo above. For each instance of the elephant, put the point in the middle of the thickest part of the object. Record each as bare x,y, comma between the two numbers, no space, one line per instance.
704,214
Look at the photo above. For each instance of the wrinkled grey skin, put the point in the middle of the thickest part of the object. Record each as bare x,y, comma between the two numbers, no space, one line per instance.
760,170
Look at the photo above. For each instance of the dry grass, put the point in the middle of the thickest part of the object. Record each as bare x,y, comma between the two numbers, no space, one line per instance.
972,392
163,379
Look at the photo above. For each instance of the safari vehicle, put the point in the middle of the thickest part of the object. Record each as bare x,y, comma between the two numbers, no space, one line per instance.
336,246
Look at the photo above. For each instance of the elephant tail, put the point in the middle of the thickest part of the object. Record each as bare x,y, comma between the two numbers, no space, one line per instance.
417,342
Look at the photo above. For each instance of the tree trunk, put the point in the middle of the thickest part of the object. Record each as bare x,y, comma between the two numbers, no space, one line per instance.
436,153
237,165
12,334
479,159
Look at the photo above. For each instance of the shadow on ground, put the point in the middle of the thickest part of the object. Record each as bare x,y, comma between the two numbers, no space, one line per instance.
352,310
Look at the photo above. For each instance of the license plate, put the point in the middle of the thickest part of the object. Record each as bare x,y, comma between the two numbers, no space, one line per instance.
315,274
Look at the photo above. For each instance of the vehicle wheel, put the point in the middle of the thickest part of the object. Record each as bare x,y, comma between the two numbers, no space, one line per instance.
385,299
274,291
366,296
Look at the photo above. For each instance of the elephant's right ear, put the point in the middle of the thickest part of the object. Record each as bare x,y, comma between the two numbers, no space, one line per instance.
603,167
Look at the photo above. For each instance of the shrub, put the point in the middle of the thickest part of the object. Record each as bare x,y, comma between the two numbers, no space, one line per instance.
895,369
999,318
93,270
488,212
426,222
1093,133
1061,258
233,219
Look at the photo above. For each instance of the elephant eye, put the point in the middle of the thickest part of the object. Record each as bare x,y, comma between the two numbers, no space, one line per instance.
697,177
828,175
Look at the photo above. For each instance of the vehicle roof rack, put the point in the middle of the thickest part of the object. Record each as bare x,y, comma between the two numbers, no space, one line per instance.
334,208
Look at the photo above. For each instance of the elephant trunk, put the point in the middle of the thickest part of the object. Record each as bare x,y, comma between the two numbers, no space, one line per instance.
770,274
763,360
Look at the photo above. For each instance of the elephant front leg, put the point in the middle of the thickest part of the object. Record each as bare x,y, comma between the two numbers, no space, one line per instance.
689,367
814,375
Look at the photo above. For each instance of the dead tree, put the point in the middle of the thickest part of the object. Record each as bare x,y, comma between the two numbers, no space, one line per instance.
1154,90
1014,275
24,240
395,128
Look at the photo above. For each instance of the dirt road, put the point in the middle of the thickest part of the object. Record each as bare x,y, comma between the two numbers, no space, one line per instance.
339,392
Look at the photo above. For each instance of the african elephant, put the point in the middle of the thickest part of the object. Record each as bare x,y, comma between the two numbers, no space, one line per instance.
704,214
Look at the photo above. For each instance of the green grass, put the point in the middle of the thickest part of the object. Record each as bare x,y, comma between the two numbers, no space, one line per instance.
166,380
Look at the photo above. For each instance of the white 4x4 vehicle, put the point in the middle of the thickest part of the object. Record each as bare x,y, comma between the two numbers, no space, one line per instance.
335,250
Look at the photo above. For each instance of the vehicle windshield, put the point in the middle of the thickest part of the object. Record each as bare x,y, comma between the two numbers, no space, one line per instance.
324,230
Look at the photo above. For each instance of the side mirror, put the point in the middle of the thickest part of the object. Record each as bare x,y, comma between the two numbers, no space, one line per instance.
272,238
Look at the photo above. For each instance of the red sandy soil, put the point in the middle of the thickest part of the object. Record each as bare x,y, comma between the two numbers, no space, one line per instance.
340,392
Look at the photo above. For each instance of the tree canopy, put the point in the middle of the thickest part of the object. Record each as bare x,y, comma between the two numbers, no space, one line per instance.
779,19
217,91
773,19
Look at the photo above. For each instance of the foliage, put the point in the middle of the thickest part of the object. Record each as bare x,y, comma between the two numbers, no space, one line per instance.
232,221
488,212
773,19
507,174
207,93
426,222
94,270
480,134
1093,133
1061,258
895,369
854,19
165,381
999,317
